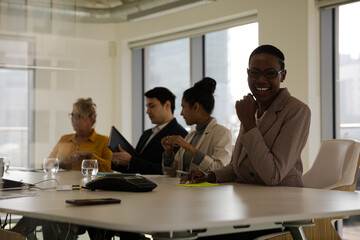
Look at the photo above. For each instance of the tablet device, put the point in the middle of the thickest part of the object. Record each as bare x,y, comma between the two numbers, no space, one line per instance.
116,138
7,184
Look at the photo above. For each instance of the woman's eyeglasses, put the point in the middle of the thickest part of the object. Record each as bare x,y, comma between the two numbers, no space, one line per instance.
268,73
74,115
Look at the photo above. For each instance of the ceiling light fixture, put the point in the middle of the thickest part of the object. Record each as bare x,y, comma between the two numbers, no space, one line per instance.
166,9
99,4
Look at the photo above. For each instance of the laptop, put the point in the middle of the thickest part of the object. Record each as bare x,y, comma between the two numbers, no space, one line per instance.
6,184
116,138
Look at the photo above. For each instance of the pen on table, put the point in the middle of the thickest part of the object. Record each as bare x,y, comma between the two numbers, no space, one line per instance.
117,173
182,172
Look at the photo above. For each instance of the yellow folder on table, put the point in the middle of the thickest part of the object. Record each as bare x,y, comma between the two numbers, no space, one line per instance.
203,184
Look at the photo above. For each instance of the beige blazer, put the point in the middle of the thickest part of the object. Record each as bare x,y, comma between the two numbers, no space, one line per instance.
215,143
270,154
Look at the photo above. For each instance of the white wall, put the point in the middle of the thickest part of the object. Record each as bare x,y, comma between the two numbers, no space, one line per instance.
292,25
81,66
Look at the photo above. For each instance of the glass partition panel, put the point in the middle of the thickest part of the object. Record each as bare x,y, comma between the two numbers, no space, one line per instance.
226,60
14,116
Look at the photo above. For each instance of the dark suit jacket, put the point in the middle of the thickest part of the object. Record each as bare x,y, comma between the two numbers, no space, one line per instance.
149,161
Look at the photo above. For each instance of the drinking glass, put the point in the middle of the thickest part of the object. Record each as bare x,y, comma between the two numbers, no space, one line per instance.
1,167
6,164
51,165
89,167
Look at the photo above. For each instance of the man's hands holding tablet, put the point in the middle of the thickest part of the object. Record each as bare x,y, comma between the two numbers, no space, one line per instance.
121,157
198,176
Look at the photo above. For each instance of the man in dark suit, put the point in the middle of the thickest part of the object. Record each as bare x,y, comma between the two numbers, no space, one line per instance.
160,105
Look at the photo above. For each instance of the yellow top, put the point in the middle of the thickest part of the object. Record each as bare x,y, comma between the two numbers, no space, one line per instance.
97,144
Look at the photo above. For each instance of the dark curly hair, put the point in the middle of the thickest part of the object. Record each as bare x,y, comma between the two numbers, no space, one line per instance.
203,93
272,50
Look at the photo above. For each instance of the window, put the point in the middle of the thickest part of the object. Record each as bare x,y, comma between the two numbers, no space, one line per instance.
340,81
167,65
348,85
222,55
15,116
226,60
340,72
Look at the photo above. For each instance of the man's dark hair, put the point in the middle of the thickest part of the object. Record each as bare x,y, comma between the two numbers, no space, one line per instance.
270,49
162,94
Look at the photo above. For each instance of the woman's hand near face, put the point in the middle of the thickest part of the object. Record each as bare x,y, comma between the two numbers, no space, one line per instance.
245,110
178,141
165,142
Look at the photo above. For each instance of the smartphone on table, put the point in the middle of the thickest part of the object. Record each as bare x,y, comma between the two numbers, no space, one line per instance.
92,201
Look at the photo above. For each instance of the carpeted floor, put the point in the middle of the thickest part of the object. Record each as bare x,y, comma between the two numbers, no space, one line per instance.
351,228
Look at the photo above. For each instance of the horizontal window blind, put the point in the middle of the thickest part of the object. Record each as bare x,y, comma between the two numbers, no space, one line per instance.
250,17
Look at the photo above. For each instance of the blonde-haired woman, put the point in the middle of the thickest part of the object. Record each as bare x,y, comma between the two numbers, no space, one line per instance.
71,149
85,143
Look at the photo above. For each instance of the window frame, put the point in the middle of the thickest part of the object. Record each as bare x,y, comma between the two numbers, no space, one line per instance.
197,62
329,72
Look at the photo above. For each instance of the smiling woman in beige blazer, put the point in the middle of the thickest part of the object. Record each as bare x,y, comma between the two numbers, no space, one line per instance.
274,129
206,148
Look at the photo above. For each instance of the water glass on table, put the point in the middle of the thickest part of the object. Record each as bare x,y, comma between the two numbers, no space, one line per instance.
6,164
1,167
89,168
51,165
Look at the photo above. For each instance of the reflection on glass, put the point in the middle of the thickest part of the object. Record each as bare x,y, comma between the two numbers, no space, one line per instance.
348,86
226,60
14,102
15,15
42,21
168,65
14,116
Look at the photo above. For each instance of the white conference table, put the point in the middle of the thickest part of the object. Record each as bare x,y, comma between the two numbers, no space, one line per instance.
172,210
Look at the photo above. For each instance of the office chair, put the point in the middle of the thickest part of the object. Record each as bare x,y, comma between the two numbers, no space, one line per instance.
340,158
336,167
9,235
